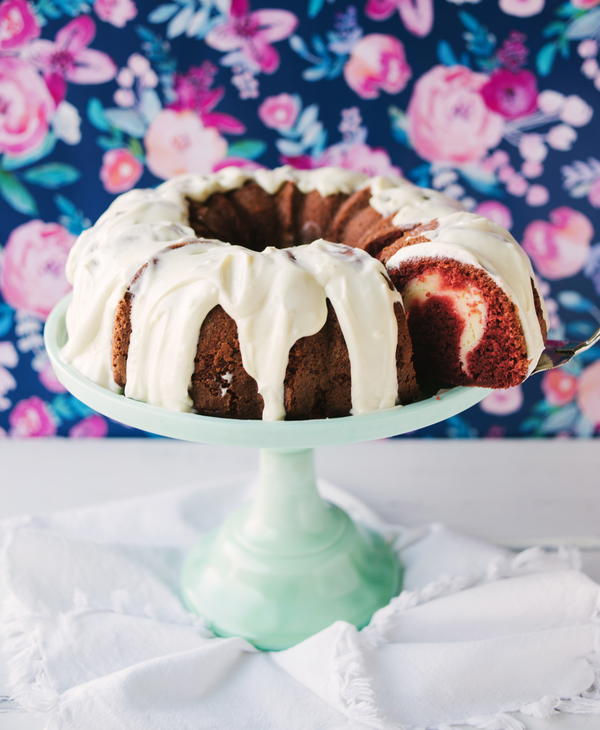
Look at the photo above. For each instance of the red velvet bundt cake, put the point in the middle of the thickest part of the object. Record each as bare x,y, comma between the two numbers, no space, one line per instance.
225,294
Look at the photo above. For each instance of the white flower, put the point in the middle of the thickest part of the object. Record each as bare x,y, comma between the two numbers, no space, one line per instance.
550,101
561,137
532,147
66,123
576,111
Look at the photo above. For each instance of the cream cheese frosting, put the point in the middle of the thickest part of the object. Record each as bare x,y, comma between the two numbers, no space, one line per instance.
179,288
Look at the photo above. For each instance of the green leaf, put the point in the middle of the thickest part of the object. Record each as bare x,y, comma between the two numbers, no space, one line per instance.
16,194
248,148
136,148
52,175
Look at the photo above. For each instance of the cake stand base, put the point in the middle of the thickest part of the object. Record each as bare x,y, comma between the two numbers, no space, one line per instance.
290,563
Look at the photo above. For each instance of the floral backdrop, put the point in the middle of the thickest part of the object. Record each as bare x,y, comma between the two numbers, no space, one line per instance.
495,103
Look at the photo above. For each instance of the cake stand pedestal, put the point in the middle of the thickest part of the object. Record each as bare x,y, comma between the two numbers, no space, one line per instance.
288,564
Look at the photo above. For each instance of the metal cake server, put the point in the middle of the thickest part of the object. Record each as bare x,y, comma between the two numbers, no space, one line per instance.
560,352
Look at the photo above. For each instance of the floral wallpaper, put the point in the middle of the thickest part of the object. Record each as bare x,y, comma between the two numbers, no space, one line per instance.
494,103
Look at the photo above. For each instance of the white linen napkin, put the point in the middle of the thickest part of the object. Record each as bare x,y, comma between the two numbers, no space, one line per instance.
96,638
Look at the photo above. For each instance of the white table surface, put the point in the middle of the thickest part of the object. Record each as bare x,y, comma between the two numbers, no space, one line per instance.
517,493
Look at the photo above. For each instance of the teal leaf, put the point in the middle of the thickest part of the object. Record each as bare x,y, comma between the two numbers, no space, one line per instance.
52,175
563,419
6,319
545,58
96,115
13,162
315,7
585,26
16,194
446,54
469,21
129,121
574,301
71,217
248,148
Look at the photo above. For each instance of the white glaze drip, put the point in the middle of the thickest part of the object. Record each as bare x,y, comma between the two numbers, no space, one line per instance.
475,240
141,223
275,299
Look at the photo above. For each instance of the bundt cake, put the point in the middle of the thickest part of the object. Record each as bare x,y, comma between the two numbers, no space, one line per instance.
279,294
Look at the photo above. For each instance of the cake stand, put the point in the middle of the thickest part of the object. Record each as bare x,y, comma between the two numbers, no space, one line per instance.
288,564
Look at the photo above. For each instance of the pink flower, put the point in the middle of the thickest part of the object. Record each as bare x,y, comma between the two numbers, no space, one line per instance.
193,91
93,426
68,58
594,193
33,262
559,248
49,380
585,4
448,120
31,418
18,24
279,112
115,12
359,157
240,162
537,195
503,402
559,387
588,397
496,212
25,106
178,142
120,170
377,62
522,8
511,94
253,33
417,15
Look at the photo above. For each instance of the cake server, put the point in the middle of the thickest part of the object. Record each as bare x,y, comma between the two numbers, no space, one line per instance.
560,352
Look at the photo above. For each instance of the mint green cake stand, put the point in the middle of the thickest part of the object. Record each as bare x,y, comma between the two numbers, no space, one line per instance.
288,564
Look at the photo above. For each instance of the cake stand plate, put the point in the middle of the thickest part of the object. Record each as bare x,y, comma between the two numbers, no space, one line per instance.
289,564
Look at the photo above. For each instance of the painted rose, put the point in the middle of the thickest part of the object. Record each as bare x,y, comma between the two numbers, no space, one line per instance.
559,387
448,120
377,63
560,247
177,142
18,24
68,58
522,8
252,33
588,396
120,170
25,106
495,211
359,157
93,426
33,262
115,12
279,112
511,94
31,418
49,380
503,402
417,15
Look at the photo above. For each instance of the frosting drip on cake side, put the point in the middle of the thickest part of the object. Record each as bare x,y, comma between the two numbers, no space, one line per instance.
275,297
474,240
